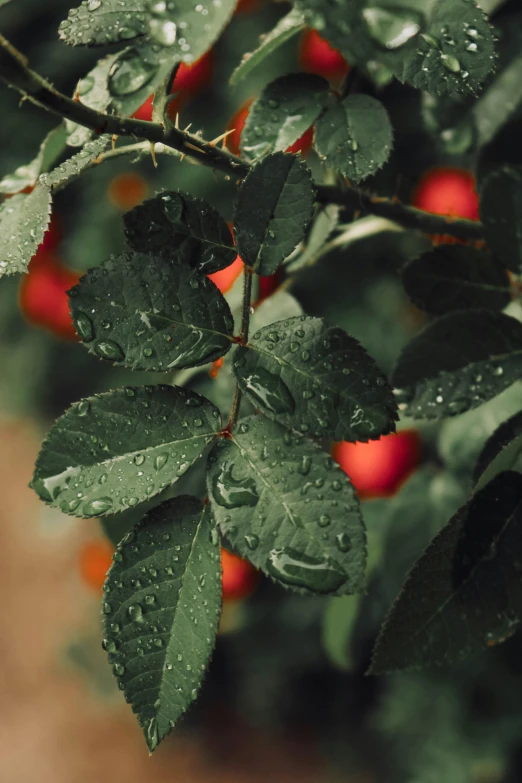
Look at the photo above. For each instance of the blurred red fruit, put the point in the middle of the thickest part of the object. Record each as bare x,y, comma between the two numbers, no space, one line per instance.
127,190
237,123
225,278
448,191
43,299
378,468
52,238
190,80
239,576
94,562
317,56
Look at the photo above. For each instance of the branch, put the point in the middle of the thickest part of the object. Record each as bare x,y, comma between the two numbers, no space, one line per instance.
15,72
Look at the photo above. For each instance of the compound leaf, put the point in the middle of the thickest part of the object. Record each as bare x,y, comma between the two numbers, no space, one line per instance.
148,313
458,362
183,226
286,108
456,277
114,450
354,136
161,611
282,503
464,593
317,380
272,211
23,223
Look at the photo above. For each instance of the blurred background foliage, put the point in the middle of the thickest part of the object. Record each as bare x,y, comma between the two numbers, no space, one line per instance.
286,662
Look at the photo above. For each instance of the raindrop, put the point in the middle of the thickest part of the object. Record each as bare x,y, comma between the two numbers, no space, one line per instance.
252,542
84,327
343,542
96,507
230,492
135,613
270,391
293,568
108,349
160,461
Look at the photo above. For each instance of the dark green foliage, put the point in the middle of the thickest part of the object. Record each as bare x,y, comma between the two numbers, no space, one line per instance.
283,503
503,451
501,211
180,226
464,593
149,313
161,611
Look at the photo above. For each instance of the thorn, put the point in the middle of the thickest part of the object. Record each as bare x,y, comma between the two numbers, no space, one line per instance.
185,130
76,97
153,154
176,121
219,138
183,156
193,147
113,142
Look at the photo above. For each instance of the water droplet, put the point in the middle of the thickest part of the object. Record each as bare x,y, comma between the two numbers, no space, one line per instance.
139,459
108,349
152,734
230,492
160,461
324,520
343,542
304,466
94,508
119,669
270,391
84,327
135,613
293,568
252,542
450,62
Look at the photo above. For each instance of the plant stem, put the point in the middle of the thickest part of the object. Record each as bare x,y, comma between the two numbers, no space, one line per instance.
15,72
243,335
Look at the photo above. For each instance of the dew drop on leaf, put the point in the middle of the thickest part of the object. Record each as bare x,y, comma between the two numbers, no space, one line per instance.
230,492
294,568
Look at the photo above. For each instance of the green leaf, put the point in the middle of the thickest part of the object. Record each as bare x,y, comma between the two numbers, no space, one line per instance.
354,136
27,176
281,303
24,220
285,109
501,214
503,451
75,165
283,504
183,30
442,46
272,211
148,313
499,102
161,611
93,92
458,362
285,29
468,581
114,450
317,380
456,277
183,226
136,73
323,226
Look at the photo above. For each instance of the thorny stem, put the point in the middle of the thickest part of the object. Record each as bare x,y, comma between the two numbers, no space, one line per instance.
243,335
15,72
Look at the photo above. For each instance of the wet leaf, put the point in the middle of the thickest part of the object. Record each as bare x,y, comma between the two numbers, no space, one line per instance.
456,277
149,313
464,594
24,220
161,610
317,380
282,503
92,91
285,29
503,451
75,165
273,208
27,175
286,108
354,136
187,228
109,452
458,362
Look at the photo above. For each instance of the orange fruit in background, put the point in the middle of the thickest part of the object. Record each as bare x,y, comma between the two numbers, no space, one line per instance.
190,80
448,191
379,467
239,576
94,561
317,56
225,278
127,190
43,299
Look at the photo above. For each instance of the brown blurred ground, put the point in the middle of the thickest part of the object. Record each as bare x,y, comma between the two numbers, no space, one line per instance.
54,726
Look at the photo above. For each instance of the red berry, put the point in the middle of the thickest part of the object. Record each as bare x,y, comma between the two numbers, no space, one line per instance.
317,56
127,190
43,299
94,562
448,191
239,576
378,468
225,278
190,80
